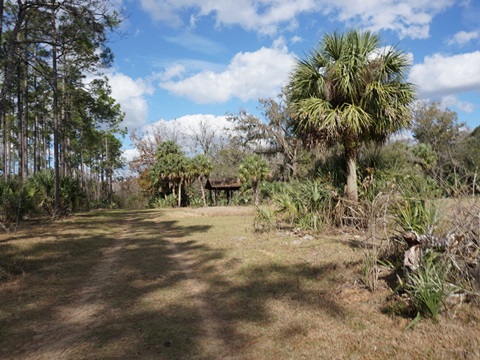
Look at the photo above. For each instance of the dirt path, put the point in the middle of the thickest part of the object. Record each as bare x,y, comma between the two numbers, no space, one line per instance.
214,329
64,335
59,337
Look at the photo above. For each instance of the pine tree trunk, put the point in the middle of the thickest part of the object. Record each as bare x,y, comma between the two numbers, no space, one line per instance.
62,122
36,147
5,143
20,122
26,115
56,158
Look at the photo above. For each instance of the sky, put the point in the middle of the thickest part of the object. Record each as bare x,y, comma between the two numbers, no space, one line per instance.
199,60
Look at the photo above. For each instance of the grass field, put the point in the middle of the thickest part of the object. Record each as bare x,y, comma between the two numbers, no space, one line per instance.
200,284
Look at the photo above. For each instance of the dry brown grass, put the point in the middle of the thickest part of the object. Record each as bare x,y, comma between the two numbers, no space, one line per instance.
200,284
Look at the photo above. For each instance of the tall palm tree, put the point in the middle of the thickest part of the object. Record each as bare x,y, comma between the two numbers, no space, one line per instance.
348,90
202,169
253,169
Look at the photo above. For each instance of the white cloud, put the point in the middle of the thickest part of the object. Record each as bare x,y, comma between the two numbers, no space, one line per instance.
263,16
441,75
174,71
130,154
409,18
190,131
249,76
463,37
130,94
296,39
382,51
452,101
196,43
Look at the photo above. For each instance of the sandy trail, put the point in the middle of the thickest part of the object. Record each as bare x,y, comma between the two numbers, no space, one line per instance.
71,322
65,334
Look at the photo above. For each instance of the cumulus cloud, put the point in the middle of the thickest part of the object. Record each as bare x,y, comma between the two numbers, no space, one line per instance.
452,101
263,16
463,37
249,76
173,71
131,95
195,133
441,75
130,154
410,18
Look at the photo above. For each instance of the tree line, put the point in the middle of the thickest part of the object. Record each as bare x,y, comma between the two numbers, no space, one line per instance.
342,102
56,111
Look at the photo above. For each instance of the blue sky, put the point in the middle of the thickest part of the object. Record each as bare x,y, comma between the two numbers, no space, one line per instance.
201,59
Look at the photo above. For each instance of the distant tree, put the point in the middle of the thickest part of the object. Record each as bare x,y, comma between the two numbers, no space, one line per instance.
440,129
253,170
227,159
271,137
427,158
468,152
171,170
437,127
349,91
204,138
202,167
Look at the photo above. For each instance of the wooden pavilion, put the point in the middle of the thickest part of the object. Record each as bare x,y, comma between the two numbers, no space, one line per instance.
227,185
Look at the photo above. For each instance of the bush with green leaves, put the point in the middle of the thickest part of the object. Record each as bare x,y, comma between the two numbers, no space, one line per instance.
427,285
14,202
41,189
308,204
265,219
170,200
415,209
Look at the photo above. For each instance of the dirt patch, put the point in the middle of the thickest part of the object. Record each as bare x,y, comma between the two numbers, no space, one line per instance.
59,337
213,328
216,211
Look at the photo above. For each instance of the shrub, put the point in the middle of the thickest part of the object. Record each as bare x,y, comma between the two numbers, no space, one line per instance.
426,286
41,189
264,219
415,210
14,203
163,202
308,205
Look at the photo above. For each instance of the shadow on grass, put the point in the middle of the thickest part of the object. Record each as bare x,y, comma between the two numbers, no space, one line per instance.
170,296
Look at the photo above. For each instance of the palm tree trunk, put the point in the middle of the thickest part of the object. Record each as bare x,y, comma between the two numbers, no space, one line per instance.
180,193
351,158
202,187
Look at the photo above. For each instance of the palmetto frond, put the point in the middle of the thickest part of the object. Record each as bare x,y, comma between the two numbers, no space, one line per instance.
349,86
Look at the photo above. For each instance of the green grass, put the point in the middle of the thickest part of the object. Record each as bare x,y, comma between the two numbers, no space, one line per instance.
204,283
